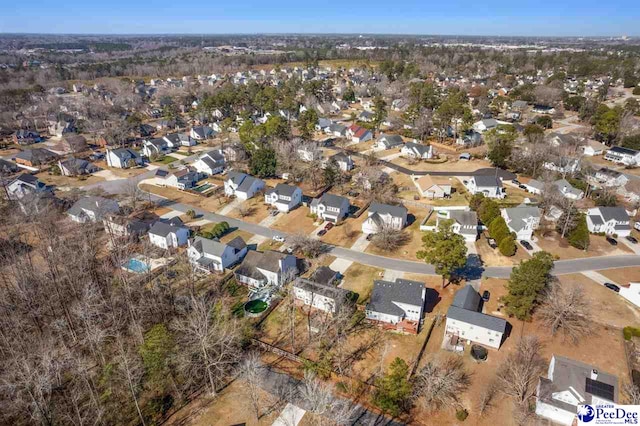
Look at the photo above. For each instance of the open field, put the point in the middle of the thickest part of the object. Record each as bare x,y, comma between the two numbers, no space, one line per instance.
452,165
60,181
212,203
255,209
622,275
295,221
598,247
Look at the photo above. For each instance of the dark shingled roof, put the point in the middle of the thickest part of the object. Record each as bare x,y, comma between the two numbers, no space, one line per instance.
395,211
465,308
384,293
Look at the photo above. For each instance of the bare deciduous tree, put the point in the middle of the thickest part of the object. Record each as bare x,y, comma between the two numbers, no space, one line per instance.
440,382
311,247
566,310
518,375
389,239
252,374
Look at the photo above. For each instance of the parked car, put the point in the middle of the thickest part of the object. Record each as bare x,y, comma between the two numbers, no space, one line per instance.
612,241
521,186
515,182
636,226
328,226
486,295
278,238
492,243
370,237
526,245
631,239
322,232
613,287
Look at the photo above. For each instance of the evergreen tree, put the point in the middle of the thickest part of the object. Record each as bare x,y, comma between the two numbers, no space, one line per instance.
393,389
526,284
507,246
444,249
488,211
263,163
498,229
579,236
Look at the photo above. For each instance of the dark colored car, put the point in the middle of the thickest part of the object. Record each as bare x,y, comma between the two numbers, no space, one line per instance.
522,187
515,182
328,226
612,241
486,295
526,245
370,237
613,287
492,243
322,232
631,239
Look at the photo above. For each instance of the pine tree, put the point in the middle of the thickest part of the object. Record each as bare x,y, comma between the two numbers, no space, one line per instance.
526,284
507,246
393,389
579,236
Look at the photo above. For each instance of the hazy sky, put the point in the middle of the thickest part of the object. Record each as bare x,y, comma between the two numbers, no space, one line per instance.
466,17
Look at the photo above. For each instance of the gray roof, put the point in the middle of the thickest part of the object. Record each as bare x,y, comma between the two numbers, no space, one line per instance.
623,150
569,374
487,181
464,218
418,147
618,214
37,155
246,183
284,189
269,261
595,219
163,228
518,216
384,293
465,308
490,122
324,275
564,184
395,211
536,184
391,140
519,104
125,153
336,293
332,200
99,205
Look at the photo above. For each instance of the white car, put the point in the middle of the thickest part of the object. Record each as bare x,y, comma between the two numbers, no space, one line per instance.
278,238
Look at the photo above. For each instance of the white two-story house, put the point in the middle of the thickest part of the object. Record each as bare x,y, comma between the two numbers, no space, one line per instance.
465,322
487,185
242,185
330,207
209,255
384,216
327,298
621,155
399,304
522,220
168,234
92,209
123,158
284,197
417,151
271,268
210,163
610,220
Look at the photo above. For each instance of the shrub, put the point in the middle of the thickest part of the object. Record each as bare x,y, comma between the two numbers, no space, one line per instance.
462,414
191,214
636,90
628,332
498,229
507,246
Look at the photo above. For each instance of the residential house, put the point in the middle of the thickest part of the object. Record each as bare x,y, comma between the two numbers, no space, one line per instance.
168,234
157,147
71,143
123,158
433,187
344,161
466,322
271,268
567,190
469,138
210,163
176,140
122,226
463,222
522,220
330,207
323,124
201,132
284,197
621,155
534,186
563,165
242,185
309,153
366,116
327,298
92,209
543,109
35,157
358,134
26,137
593,148
337,129
610,220
8,167
417,150
76,167
387,141
398,304
325,275
185,178
384,216
570,384
485,125
25,185
611,178
60,128
209,255
488,185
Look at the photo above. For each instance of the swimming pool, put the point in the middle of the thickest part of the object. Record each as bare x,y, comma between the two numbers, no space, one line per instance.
204,187
137,266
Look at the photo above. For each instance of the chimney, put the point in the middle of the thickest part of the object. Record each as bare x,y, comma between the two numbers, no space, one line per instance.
594,374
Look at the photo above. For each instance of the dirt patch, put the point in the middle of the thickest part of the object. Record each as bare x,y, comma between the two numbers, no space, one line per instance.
359,279
255,207
346,233
453,165
622,275
69,181
296,221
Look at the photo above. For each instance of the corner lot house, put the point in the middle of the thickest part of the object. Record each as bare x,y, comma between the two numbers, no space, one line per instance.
386,141
522,220
25,185
210,255
466,323
571,383
185,178
210,163
242,185
330,207
92,209
123,158
168,234
271,268
283,197
489,186
327,298
417,150
464,223
610,220
383,216
626,156
397,305
433,187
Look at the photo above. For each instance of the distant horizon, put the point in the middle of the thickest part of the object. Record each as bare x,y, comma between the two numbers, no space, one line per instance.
493,18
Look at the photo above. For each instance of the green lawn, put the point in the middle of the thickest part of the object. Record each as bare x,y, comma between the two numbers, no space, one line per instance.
166,159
